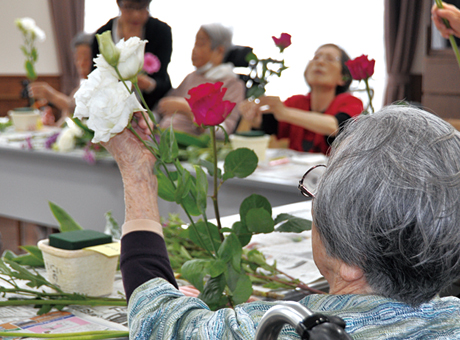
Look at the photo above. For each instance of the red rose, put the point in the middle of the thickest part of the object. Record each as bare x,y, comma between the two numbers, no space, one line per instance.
207,104
361,67
283,41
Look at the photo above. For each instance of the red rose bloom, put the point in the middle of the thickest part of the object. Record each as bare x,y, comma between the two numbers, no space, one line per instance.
283,41
207,104
361,67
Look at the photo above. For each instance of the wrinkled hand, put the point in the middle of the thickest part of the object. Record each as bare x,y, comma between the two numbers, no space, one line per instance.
449,12
127,150
40,90
272,104
146,83
170,105
250,111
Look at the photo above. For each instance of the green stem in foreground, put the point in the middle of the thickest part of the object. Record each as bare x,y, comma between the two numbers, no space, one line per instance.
76,335
369,94
215,178
453,43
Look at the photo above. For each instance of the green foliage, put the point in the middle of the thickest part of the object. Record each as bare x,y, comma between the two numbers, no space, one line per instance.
111,226
66,222
3,126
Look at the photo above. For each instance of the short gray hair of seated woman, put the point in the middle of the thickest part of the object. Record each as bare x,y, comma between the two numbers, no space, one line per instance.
219,35
389,202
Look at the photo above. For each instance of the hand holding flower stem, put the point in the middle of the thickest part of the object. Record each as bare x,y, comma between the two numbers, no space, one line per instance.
453,43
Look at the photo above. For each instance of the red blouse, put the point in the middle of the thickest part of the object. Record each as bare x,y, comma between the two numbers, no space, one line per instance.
344,106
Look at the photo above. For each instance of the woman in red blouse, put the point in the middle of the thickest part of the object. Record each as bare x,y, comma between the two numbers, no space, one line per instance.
312,121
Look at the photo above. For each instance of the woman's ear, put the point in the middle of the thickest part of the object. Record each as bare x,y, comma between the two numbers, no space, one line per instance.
350,273
217,56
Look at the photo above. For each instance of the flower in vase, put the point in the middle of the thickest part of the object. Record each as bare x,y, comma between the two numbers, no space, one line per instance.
151,63
207,105
30,32
107,103
130,60
361,67
283,41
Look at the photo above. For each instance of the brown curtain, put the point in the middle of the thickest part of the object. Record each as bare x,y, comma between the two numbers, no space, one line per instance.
402,21
68,19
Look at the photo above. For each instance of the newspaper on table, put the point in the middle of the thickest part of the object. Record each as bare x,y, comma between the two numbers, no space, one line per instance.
54,322
70,319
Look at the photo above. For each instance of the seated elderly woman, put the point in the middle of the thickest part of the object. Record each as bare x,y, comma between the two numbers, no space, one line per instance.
385,236
312,121
212,43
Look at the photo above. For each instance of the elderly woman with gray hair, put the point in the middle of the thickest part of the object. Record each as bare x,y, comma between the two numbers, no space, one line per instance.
386,217
213,42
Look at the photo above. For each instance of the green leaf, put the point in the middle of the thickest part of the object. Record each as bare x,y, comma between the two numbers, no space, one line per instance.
243,289
168,146
231,250
210,167
166,188
251,202
190,205
31,75
205,235
183,186
201,189
255,92
240,163
251,56
66,223
185,139
43,309
242,232
212,292
195,270
111,226
292,224
259,220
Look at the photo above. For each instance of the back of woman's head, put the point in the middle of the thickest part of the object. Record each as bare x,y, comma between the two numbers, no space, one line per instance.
389,202
219,35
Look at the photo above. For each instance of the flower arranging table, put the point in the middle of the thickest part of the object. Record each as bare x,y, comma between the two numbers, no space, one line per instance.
31,178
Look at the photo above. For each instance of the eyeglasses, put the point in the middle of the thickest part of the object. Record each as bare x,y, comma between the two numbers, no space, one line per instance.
308,185
328,58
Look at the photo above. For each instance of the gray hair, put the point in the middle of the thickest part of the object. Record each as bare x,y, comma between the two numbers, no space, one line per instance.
389,202
219,36
82,38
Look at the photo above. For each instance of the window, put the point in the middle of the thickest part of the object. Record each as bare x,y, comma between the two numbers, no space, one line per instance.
356,25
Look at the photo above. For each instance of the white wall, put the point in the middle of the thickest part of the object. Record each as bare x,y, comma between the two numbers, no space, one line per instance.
11,57
356,25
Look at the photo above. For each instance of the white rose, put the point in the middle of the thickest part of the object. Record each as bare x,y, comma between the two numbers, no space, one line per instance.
66,140
131,58
29,25
107,103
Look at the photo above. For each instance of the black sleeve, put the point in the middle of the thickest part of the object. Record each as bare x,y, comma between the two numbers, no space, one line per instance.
342,119
269,124
159,38
143,257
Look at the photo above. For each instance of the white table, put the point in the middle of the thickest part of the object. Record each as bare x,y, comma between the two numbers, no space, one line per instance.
31,178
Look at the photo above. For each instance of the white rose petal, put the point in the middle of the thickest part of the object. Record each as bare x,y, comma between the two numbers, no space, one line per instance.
131,56
29,25
107,103
66,140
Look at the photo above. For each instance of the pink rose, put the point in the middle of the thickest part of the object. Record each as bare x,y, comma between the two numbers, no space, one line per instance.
151,63
361,67
283,41
207,104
